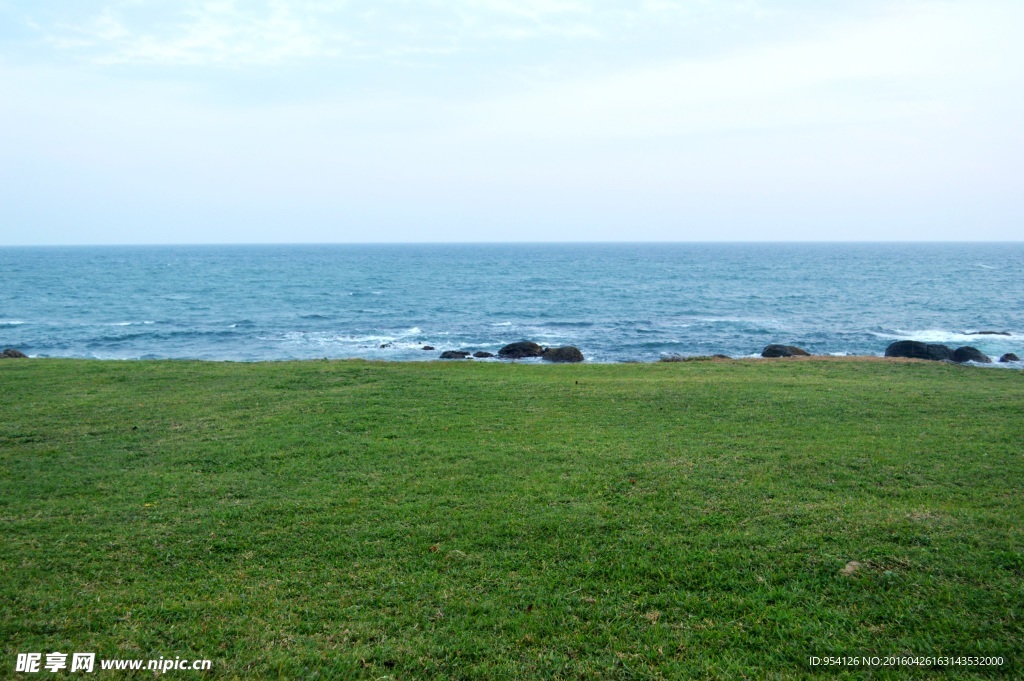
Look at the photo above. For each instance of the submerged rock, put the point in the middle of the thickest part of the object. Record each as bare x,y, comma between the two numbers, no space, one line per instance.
919,350
989,333
11,353
567,353
483,355
1009,357
454,354
775,350
428,347
520,350
969,354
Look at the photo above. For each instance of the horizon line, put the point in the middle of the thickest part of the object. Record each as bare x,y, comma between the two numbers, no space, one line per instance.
512,243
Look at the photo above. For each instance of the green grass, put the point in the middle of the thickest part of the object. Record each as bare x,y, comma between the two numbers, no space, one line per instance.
460,520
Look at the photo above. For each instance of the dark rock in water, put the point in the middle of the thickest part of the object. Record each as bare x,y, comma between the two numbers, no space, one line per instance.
481,354
11,353
969,354
989,333
454,354
428,347
520,350
919,350
567,353
1009,357
784,351
385,345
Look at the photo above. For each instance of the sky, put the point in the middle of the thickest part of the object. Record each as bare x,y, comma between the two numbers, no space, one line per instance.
278,121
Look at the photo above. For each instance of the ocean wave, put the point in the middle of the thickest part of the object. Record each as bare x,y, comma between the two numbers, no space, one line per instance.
12,322
157,336
942,336
737,320
581,325
327,337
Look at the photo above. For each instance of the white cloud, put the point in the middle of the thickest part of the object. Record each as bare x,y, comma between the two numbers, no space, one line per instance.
925,62
220,32
259,32
230,33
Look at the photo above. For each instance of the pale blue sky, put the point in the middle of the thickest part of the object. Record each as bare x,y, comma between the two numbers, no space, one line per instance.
221,121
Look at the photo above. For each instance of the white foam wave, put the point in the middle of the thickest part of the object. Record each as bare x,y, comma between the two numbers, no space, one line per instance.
502,324
737,320
11,322
129,323
941,336
328,338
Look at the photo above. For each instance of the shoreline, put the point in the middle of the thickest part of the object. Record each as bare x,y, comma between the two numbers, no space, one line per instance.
691,359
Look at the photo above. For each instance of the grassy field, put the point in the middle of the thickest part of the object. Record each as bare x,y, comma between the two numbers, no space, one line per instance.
489,521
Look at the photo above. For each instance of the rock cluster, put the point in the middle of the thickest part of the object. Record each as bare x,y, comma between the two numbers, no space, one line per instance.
520,350
567,353
524,349
784,351
11,353
936,352
969,354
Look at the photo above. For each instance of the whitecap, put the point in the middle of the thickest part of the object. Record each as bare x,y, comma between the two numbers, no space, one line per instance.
939,336
739,320
11,322
328,338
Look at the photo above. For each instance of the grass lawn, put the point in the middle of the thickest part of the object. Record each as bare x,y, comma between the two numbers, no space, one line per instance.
487,521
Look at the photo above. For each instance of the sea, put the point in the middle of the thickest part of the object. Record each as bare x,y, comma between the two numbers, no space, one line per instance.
616,302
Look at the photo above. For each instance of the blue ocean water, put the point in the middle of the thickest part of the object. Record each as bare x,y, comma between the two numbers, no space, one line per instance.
617,302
